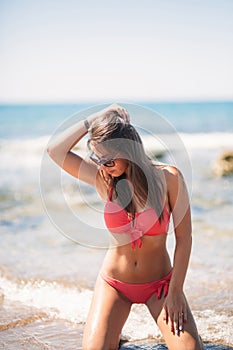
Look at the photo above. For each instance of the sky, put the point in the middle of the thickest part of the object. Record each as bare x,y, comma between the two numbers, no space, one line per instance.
132,50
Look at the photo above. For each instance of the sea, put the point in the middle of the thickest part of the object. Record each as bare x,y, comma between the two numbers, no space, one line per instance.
53,238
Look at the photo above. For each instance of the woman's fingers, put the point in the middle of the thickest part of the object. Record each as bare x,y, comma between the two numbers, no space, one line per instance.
185,314
175,314
165,315
173,324
124,114
121,111
181,322
176,320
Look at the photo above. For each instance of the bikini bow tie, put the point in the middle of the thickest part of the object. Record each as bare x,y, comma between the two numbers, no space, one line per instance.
135,237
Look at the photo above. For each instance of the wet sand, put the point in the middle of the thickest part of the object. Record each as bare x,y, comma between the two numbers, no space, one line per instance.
59,335
151,345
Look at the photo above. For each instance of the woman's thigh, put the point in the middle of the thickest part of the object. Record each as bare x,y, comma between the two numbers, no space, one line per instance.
188,339
107,315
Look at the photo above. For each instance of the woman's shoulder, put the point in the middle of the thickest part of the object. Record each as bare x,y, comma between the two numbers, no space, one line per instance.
167,169
170,172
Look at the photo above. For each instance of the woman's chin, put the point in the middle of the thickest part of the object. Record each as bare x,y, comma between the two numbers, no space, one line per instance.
112,172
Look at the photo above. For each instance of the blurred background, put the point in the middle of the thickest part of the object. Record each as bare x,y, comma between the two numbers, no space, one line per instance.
60,60
75,51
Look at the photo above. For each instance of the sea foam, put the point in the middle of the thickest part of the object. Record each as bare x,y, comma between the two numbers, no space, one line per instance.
71,303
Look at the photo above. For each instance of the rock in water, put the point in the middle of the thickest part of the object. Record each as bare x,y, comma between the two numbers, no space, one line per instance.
224,164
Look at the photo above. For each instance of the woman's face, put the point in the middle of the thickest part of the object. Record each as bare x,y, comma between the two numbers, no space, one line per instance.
118,169
118,165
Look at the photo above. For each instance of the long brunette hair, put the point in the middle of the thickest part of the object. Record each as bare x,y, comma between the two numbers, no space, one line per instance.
147,185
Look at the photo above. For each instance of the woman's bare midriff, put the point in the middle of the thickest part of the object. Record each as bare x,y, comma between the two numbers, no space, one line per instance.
149,263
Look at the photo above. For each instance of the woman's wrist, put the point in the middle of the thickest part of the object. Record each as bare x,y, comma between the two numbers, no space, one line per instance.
88,121
86,124
176,289
176,283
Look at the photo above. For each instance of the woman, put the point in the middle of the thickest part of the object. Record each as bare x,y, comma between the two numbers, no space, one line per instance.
140,197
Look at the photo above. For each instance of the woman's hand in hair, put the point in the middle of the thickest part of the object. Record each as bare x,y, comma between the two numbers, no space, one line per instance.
115,108
123,113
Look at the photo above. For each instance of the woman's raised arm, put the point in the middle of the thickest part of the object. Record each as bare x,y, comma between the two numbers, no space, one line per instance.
60,148
60,151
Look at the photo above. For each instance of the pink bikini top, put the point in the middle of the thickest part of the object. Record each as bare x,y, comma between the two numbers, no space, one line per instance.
144,223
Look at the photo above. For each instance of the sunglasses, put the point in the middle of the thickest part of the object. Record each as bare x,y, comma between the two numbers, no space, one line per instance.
100,161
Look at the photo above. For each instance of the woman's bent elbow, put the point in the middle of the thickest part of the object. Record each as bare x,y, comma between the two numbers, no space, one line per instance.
48,150
52,154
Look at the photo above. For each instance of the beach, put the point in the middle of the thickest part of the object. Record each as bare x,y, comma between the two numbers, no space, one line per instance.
50,251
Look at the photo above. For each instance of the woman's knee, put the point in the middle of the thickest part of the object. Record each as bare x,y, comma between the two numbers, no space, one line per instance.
102,338
192,344
95,345
185,340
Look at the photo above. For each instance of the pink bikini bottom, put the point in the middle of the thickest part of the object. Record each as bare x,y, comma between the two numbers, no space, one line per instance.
139,293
